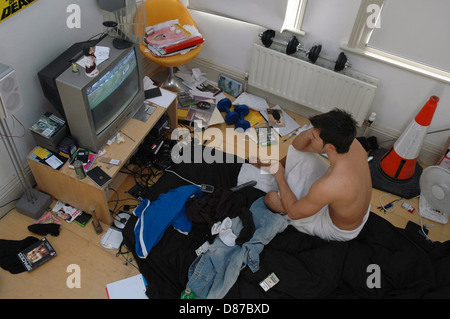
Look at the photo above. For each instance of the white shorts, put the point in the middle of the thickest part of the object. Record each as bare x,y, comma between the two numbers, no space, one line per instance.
321,225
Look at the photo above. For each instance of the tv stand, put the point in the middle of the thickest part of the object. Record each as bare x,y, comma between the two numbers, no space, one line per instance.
65,186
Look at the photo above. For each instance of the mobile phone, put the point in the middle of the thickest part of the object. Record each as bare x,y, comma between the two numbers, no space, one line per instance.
207,188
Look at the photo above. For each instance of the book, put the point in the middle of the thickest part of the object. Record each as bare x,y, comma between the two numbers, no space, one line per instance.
230,86
36,254
207,86
98,176
191,42
207,116
65,211
48,125
48,218
290,123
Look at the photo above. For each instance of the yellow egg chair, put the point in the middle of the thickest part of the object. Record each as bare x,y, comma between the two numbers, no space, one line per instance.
157,11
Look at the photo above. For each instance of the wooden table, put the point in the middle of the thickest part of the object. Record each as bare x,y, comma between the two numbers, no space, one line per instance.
63,184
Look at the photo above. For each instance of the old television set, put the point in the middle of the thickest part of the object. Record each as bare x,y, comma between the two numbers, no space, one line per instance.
95,108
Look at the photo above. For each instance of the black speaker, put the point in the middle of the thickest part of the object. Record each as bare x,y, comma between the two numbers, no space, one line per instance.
10,98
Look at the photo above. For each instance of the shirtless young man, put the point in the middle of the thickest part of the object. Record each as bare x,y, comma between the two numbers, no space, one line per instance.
346,186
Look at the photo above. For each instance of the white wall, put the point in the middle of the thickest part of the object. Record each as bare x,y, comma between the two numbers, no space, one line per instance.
30,40
400,95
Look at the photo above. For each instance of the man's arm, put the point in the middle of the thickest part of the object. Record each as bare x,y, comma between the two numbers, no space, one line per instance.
302,141
303,207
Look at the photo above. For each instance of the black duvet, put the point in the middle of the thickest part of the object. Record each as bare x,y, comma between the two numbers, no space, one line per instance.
382,262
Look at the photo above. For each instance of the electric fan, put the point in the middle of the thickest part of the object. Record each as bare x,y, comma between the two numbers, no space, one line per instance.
434,201
126,25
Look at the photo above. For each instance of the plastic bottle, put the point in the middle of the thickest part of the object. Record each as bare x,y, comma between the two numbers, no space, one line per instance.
187,294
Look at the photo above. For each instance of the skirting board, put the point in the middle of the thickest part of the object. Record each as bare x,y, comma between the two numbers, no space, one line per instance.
429,155
13,191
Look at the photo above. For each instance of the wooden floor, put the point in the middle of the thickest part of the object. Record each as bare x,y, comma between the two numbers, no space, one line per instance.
99,266
75,245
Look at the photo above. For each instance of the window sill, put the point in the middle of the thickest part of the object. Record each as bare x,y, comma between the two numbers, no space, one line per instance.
401,63
295,31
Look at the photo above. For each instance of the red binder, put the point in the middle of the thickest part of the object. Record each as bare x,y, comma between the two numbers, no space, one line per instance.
182,45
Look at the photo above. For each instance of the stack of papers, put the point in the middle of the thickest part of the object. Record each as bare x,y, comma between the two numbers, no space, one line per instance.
129,288
169,38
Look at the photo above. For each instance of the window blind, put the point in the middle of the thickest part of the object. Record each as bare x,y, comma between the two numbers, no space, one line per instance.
266,13
415,30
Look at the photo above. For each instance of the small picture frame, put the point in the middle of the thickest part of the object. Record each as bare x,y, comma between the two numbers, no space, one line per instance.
230,86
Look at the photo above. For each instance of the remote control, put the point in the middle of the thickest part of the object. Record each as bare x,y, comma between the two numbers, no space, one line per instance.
239,187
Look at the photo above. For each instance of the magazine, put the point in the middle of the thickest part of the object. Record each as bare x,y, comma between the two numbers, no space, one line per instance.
36,254
47,125
170,37
85,156
276,117
173,33
65,211
48,218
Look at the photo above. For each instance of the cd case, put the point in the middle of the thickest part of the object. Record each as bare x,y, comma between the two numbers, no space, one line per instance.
36,254
98,176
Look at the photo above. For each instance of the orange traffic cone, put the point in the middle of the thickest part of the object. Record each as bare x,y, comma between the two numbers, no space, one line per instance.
396,170
400,161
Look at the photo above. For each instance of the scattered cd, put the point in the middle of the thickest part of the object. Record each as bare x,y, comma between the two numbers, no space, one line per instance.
121,220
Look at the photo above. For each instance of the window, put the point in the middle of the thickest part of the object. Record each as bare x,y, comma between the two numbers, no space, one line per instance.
277,15
406,33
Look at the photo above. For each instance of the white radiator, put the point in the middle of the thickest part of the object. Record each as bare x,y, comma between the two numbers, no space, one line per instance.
311,85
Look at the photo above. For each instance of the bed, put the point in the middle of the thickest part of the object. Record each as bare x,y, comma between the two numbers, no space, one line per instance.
382,262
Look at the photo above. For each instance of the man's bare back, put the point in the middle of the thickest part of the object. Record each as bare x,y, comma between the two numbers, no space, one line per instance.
346,186
350,186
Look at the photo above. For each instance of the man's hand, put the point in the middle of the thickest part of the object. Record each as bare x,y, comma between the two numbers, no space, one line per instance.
277,170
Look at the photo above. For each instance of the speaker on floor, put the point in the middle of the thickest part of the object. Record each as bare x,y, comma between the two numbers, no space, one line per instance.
10,98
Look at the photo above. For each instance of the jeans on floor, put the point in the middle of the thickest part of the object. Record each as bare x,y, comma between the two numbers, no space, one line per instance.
213,273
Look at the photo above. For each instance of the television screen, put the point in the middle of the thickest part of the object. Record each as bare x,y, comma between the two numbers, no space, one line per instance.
113,92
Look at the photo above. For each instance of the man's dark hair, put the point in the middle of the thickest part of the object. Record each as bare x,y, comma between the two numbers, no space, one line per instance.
337,127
